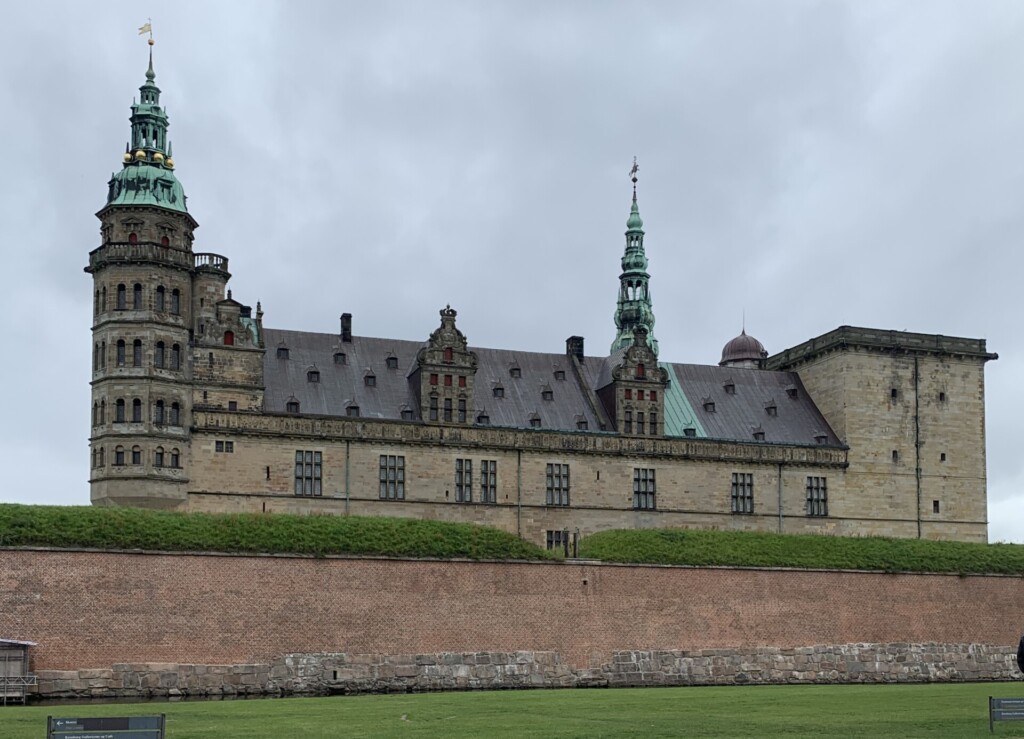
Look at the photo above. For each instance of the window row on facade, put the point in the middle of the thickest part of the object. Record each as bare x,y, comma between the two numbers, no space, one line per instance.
162,413
165,355
476,481
122,456
134,298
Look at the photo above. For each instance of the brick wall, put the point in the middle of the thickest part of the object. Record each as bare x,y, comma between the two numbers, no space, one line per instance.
97,610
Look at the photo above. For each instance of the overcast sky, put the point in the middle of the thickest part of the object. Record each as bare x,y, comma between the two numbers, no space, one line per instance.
812,163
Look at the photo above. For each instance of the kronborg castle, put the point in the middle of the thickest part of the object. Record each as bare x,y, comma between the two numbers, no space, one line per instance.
196,405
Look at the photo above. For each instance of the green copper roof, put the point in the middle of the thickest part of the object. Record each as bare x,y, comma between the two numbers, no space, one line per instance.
147,177
634,222
679,414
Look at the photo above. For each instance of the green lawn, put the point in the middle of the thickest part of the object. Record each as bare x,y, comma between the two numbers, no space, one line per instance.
958,710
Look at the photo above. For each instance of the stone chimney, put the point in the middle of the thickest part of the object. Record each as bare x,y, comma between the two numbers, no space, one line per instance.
346,328
574,347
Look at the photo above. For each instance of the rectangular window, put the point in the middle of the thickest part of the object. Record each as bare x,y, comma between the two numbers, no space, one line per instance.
557,484
817,496
308,472
218,446
448,409
433,409
742,492
462,410
447,380
462,381
433,379
463,481
654,424
488,481
558,540
627,422
640,427
392,477
643,490
226,446
232,405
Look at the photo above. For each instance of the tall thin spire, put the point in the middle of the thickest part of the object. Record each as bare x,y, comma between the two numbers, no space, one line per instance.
634,308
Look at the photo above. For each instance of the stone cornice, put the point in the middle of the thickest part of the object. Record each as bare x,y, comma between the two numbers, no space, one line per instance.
367,430
871,339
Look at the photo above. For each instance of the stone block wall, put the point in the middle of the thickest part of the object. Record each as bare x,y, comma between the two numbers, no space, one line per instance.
327,673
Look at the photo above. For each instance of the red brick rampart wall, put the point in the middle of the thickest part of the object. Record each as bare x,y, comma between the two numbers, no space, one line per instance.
97,609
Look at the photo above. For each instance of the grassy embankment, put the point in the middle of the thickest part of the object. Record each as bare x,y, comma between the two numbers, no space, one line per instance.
131,528
951,710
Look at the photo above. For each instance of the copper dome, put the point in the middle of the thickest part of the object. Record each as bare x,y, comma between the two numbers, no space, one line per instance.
743,348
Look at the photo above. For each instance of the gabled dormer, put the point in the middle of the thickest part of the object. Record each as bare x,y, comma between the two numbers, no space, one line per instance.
444,375
634,397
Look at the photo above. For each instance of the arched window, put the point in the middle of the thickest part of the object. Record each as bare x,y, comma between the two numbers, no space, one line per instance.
229,338
164,241
641,371
176,302
158,355
103,412
103,355
133,238
95,418
292,406
176,357
103,298
122,297
119,456
137,411
120,352
137,353
158,457
161,295
96,309
103,457
96,357
136,455
95,457
137,297
448,354
158,412
175,458
175,414
119,411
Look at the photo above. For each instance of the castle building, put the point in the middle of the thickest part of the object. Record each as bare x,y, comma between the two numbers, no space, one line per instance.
197,406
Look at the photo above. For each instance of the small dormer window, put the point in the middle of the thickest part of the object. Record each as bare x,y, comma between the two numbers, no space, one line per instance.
449,355
535,422
483,419
821,438
313,375
370,380
582,425
407,414
282,352
791,392
499,391
515,372
340,358
729,387
352,411
709,406
690,431
292,406
771,409
758,435
641,372
547,395
391,362
559,374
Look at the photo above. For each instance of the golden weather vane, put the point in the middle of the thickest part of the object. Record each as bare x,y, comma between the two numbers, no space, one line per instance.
145,28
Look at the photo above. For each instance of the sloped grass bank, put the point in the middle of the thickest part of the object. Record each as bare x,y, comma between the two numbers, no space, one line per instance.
748,549
133,528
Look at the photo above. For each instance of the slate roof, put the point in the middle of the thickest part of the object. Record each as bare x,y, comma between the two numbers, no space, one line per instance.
736,415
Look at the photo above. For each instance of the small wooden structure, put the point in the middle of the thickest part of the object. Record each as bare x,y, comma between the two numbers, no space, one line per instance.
15,678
